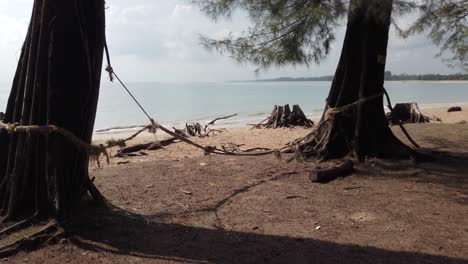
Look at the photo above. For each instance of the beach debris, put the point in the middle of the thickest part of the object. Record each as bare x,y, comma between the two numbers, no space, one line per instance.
119,128
203,164
129,151
406,113
123,162
294,197
231,147
198,130
149,186
180,132
454,109
317,228
333,172
282,116
186,192
221,118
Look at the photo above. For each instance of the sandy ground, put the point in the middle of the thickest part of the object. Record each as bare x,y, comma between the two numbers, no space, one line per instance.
177,205
450,118
244,136
218,209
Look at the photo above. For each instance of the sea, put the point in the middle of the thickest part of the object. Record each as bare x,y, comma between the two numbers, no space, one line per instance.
174,104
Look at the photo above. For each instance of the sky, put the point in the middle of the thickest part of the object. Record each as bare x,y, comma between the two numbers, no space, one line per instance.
158,40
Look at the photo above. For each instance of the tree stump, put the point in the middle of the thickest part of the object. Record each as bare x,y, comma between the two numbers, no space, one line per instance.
282,116
406,113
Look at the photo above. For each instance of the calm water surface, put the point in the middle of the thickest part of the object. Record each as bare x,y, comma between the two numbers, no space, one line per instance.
176,103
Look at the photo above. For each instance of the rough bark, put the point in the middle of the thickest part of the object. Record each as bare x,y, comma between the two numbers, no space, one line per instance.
361,129
56,83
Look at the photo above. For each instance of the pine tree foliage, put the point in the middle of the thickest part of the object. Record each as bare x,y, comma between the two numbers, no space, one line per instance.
301,31
446,23
283,32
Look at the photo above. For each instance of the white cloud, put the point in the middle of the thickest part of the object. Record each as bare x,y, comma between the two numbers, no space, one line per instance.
159,41
14,19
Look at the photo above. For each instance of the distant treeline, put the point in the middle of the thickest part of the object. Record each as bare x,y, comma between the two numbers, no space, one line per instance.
388,77
425,77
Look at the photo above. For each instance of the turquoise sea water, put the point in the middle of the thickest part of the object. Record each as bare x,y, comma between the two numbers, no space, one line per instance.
176,103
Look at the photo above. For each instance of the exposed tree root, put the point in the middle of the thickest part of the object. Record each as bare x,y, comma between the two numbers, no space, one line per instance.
331,173
47,234
17,226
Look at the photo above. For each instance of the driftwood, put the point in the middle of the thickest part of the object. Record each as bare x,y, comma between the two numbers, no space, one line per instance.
406,113
180,132
221,118
454,109
197,130
282,116
194,129
331,173
119,127
145,146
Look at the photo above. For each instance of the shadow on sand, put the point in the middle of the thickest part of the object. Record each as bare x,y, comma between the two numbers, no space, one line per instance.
148,237
128,235
449,169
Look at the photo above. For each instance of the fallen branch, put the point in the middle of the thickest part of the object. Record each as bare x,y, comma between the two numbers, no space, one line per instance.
123,142
221,118
145,146
331,173
255,149
118,127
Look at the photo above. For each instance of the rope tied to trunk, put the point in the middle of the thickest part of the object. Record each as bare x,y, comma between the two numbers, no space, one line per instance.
94,151
332,111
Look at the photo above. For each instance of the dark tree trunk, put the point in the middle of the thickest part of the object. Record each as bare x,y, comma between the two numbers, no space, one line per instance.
362,129
56,83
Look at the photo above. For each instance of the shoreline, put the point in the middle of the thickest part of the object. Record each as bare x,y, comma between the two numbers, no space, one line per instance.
253,118
431,111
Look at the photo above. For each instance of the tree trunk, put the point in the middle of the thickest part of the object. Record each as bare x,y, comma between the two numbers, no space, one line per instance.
361,129
56,83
